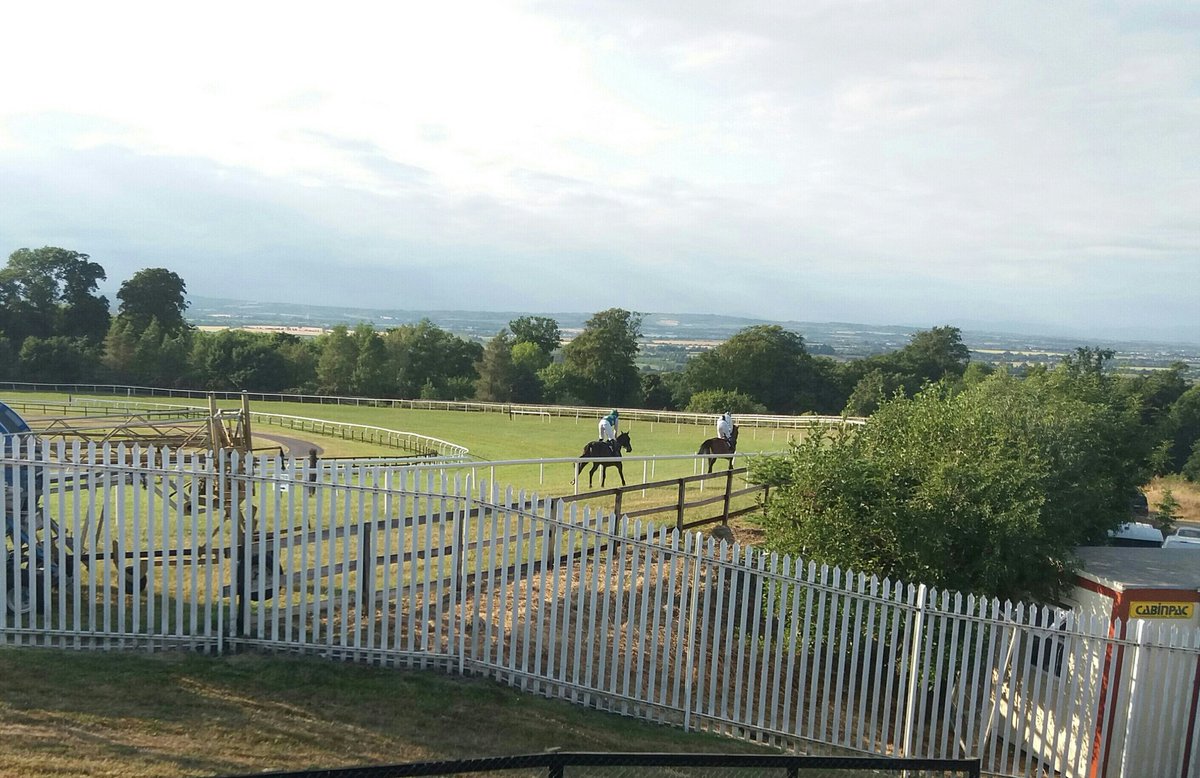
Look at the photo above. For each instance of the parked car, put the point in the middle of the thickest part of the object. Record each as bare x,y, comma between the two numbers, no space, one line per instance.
1184,537
1136,533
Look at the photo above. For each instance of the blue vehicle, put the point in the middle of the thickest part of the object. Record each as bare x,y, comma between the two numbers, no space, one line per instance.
24,528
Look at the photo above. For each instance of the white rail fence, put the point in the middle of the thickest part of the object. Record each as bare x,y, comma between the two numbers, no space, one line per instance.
418,567
590,413
421,445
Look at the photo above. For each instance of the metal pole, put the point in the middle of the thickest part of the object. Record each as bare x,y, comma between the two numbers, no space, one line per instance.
913,673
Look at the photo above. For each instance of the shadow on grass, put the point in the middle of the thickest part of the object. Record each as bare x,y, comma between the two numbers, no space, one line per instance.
121,714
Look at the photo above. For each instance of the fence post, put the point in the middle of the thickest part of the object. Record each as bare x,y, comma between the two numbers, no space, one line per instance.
551,549
366,562
913,672
691,632
728,493
679,507
459,553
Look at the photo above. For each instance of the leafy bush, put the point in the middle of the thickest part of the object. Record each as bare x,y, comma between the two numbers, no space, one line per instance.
987,489
721,400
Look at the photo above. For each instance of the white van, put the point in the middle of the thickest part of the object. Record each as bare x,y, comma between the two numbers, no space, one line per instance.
1184,537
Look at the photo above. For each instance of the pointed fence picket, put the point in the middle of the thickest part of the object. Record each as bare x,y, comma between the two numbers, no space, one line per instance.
120,547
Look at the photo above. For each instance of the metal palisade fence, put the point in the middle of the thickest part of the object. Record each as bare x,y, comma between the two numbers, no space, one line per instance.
130,548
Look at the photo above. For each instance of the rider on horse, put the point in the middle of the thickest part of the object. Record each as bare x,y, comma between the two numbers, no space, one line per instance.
609,429
725,427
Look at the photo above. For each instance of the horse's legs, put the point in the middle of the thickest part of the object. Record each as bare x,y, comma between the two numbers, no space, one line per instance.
592,472
621,472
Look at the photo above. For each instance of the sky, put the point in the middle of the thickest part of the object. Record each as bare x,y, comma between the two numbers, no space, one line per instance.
1012,165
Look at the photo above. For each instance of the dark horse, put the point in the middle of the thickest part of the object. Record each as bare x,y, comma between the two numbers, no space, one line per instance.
720,446
603,449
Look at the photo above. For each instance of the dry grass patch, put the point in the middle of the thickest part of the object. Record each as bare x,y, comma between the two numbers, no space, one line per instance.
1185,492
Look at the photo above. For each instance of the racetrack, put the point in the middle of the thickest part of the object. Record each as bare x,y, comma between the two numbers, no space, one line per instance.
293,447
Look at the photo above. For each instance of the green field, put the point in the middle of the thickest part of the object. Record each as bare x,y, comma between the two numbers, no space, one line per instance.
497,437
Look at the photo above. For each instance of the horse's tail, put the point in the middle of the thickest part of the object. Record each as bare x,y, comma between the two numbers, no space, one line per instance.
705,448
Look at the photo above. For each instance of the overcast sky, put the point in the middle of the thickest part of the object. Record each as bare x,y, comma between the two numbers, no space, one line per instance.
916,163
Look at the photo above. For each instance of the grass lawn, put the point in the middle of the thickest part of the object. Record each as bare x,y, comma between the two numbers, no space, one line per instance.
64,713
496,436
490,436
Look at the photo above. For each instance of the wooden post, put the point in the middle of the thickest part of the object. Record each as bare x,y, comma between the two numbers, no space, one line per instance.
247,441
728,493
214,425
679,507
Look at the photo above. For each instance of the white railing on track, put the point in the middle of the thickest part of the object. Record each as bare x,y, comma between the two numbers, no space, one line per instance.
807,421
421,445
114,548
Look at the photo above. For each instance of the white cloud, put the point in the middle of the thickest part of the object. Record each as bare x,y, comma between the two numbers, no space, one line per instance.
841,154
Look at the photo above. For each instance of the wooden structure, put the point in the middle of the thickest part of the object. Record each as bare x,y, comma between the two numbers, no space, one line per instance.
139,439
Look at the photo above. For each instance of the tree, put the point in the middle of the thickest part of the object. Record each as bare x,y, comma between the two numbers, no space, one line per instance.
300,357
721,400
656,393
146,367
8,359
495,368
934,354
870,392
986,489
154,293
929,356
1191,468
58,359
765,362
601,358
371,376
976,372
528,360
560,385
239,360
51,291
339,357
1087,360
431,363
119,347
826,390
152,357
542,331
1183,428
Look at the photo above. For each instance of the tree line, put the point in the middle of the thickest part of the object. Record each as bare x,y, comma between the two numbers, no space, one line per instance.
56,327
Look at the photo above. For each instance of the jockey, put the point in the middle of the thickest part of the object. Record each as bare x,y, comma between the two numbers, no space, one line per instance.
725,426
608,426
